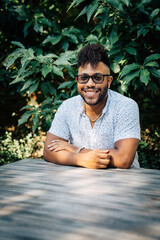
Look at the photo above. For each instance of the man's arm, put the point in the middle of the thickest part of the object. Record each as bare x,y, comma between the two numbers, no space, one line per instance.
67,155
123,153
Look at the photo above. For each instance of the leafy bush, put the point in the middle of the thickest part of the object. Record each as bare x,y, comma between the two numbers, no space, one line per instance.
15,149
128,29
39,42
149,149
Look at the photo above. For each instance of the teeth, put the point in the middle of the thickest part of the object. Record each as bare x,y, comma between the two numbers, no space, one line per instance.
91,93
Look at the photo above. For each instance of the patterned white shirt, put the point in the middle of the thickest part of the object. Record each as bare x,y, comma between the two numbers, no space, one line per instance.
119,120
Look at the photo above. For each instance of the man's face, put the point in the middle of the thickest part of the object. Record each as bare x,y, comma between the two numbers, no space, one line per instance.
93,93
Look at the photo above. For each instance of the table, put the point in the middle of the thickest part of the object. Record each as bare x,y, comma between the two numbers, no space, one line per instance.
44,201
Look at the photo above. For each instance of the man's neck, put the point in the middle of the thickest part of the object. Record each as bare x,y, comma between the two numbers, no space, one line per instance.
95,109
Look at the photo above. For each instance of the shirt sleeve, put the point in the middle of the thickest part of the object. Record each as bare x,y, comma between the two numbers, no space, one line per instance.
127,123
59,125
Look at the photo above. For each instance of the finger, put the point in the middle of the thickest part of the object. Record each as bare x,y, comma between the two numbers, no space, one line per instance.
50,145
58,141
51,148
104,151
102,166
55,141
104,162
103,155
56,149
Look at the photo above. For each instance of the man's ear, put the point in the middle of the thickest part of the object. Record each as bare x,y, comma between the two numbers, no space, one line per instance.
110,79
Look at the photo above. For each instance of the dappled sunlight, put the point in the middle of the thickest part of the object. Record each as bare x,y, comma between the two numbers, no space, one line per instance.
22,200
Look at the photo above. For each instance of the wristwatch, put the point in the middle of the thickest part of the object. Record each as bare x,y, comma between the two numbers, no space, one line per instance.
79,149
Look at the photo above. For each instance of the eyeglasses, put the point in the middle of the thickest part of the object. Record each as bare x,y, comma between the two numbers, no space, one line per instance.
96,78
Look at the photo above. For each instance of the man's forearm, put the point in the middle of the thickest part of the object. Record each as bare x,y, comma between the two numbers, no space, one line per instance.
63,157
119,160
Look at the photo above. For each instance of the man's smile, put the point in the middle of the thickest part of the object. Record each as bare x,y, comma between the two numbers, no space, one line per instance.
91,92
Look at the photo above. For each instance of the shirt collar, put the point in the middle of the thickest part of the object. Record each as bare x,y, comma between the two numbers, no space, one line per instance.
107,103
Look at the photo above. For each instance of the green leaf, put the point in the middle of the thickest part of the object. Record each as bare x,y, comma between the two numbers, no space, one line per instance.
91,38
54,40
61,61
153,86
38,27
144,76
82,12
46,69
33,88
131,50
72,4
73,38
27,85
128,68
47,87
91,9
146,1
119,57
152,57
40,58
30,53
38,15
131,76
26,26
11,61
57,71
143,31
27,107
113,37
154,13
65,45
114,51
67,84
51,55
35,121
126,2
16,80
116,4
155,72
47,102
25,117
152,64
18,44
51,89
115,68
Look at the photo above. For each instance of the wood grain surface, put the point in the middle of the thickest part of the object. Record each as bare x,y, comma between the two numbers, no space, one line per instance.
45,201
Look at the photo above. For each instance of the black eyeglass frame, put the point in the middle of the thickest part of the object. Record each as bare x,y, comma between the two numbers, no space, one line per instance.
92,76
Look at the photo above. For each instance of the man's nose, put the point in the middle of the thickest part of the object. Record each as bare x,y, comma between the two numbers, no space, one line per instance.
90,82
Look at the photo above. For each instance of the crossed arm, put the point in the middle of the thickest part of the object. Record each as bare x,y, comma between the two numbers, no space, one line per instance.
59,150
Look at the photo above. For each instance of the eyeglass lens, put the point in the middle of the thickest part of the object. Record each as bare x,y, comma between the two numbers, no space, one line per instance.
97,78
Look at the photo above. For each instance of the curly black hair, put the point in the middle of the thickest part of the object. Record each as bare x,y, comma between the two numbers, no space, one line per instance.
93,54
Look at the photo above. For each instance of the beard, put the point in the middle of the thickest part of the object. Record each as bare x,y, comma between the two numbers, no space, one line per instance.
100,98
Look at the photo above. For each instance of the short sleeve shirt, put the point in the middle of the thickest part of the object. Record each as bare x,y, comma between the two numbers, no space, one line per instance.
119,120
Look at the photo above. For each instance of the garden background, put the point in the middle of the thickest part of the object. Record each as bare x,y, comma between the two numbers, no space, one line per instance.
39,41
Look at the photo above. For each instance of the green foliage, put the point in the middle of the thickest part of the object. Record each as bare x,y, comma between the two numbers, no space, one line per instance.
40,39
13,149
40,65
149,150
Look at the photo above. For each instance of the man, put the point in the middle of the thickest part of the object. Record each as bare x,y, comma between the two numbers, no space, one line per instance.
99,128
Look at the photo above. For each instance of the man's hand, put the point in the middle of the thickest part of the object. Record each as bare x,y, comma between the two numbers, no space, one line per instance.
94,159
58,145
91,159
